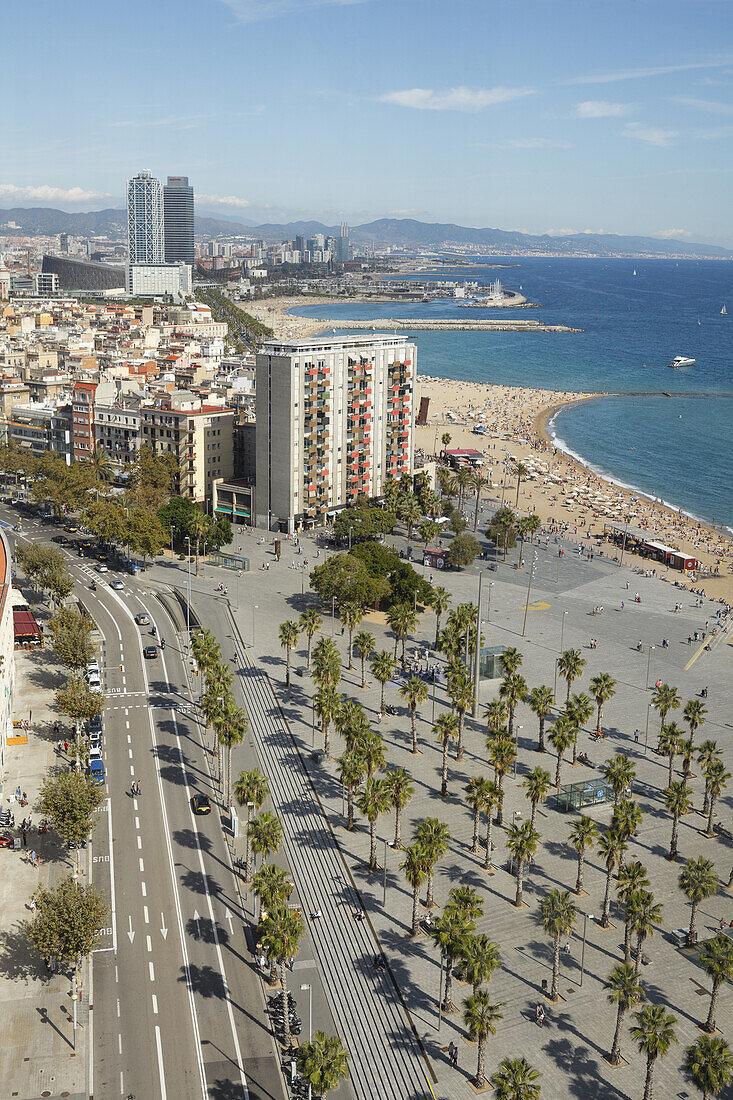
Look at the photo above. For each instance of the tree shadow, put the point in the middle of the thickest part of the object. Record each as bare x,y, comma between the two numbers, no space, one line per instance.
19,960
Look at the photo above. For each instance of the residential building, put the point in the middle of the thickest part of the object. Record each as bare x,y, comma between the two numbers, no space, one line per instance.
144,220
198,435
82,428
178,220
233,498
40,428
117,428
158,280
335,420
46,283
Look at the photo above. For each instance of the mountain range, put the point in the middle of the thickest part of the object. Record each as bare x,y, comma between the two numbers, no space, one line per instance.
397,232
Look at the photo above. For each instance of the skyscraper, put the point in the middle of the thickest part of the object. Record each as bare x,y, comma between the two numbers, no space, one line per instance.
144,219
178,220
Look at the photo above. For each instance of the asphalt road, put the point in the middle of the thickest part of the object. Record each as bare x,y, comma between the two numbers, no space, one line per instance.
178,1009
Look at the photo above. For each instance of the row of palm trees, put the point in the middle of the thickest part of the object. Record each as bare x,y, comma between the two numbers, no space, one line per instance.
218,706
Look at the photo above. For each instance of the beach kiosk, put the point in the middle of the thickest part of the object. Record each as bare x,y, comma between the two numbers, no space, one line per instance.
435,558
680,560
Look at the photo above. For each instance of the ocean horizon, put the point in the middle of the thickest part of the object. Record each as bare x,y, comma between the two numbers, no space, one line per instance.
636,316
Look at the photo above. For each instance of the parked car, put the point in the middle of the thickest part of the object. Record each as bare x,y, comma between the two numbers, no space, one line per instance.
200,804
94,681
95,741
95,754
61,540
96,772
6,840
70,527
95,724
93,666
150,651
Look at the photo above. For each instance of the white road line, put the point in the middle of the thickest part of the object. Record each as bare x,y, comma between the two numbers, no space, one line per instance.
129,739
139,845
151,970
146,915
122,1087
144,889
113,901
155,1004
142,867
118,1008
119,1043
137,822
129,757
150,943
163,1093
132,770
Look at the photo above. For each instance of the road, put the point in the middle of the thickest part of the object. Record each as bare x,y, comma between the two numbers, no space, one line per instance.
178,1008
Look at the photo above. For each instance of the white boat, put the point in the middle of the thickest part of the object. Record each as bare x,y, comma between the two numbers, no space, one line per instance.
681,361
634,271
724,312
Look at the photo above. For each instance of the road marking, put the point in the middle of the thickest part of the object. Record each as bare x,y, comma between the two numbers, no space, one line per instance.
146,915
144,889
150,943
163,1093
118,1005
139,843
142,867
113,901
129,754
119,1043
122,1087
151,971
155,1004
137,822
163,929
130,933
694,657
132,770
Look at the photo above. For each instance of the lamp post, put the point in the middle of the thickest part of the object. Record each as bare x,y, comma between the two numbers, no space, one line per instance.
648,664
529,589
562,636
646,731
254,608
310,1020
488,612
440,992
582,953
313,723
477,650
384,878
188,597
333,614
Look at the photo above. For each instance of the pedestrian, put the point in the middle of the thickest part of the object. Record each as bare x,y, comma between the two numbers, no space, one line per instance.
566,948
454,1061
24,835
66,746
32,858
721,926
636,737
55,728
17,794
37,860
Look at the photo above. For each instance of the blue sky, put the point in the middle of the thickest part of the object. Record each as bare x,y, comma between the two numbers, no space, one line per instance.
539,115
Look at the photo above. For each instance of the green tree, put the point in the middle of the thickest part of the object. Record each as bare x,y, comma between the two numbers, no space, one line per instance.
668,745
145,534
665,699
351,616
512,690
71,631
280,934
439,600
678,802
265,834
624,991
463,550
476,794
619,773
708,753
583,834
493,798
645,913
578,709
415,691
323,1062
373,801
694,715
479,482
502,754
654,1033
364,644
231,729
310,623
562,737
250,790
521,841
288,635
272,886
502,529
602,688
480,1017
432,837
400,789
536,786
403,621
446,730
716,957
516,1079
327,704
632,878
557,916
570,665
460,692
70,799
68,923
352,770
717,780
610,846
540,700
449,933
77,701
416,872
699,882
382,667
480,957
326,663
709,1064
428,531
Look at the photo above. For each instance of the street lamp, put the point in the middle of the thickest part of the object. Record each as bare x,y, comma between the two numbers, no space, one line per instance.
254,608
582,953
646,732
488,613
310,1019
333,614
562,636
188,598
648,663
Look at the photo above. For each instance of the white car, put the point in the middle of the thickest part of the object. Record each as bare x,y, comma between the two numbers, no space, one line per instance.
95,742
117,584
93,666
95,753
102,568
94,681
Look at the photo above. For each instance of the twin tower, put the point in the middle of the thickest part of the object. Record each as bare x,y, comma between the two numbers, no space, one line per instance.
159,220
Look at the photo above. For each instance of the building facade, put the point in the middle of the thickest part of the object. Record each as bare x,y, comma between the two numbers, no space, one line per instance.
178,220
335,420
144,220
82,416
158,280
7,649
199,436
117,428
40,428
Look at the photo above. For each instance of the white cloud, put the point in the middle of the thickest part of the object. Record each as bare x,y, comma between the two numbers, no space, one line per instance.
639,74
714,107
251,11
45,193
601,108
650,134
454,99
223,200
673,234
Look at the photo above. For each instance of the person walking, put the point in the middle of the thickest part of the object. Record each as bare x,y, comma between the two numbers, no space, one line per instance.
24,836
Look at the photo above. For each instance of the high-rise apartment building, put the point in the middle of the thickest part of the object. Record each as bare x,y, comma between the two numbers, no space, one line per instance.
178,220
334,421
144,220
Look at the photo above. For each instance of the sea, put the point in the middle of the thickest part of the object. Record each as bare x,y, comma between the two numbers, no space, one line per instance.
636,316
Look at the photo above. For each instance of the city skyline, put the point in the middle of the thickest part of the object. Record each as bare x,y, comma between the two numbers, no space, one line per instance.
541,118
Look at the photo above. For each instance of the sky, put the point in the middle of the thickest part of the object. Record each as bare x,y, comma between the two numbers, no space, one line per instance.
546,116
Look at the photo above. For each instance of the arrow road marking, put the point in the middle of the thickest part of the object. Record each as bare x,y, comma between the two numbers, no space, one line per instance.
163,929
130,932
197,918
228,918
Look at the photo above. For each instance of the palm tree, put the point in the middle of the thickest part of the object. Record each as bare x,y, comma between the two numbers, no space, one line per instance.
583,833
448,933
446,730
373,801
326,663
414,691
654,1033
668,744
619,773
602,688
432,837
310,623
371,749
501,757
707,754
351,721
578,709
511,660
524,528
495,714
476,792
521,471
717,780
557,916
352,770
231,729
632,878
100,465
686,751
478,482
382,667
694,715
512,690
480,957
709,1063
570,665
645,913
400,789
678,802
624,991
516,1079
327,705
665,699
493,798
288,639
279,934
460,691
410,512
716,956
536,785
480,1017
540,700
462,480
351,615
364,645
439,600
273,886
324,1063
626,819
610,846
250,790
265,834
562,736
699,882
521,840
403,620
416,872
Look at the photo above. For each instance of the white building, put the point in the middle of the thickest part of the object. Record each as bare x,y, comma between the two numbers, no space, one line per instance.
145,220
153,280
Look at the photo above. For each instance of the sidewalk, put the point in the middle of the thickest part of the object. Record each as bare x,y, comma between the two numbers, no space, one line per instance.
36,1034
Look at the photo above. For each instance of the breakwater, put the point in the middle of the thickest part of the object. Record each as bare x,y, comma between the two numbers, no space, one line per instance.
412,324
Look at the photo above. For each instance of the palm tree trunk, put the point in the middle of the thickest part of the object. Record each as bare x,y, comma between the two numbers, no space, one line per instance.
351,651
287,666
581,864
575,750
510,723
476,816
381,707
363,672
284,994
649,1077
627,940
637,960
607,897
598,717
711,815
710,1022
429,903
247,850
615,1056
326,738
349,808
541,739
397,842
413,725
444,789
437,630
480,1075
308,660
448,1005
373,845
557,770
487,859
500,802
415,910
461,716
520,870
673,842
533,815
693,920
555,968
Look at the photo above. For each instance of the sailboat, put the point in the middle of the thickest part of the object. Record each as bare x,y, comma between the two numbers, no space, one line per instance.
698,320
634,271
724,312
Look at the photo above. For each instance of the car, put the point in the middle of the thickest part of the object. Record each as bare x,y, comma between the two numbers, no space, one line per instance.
93,666
6,840
96,771
116,584
95,724
142,619
679,937
94,681
61,540
150,651
95,742
7,817
70,527
200,804
102,568
95,753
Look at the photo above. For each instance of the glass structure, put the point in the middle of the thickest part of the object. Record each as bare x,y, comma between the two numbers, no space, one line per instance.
574,796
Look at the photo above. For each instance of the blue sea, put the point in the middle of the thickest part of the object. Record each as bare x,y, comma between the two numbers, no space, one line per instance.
680,448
